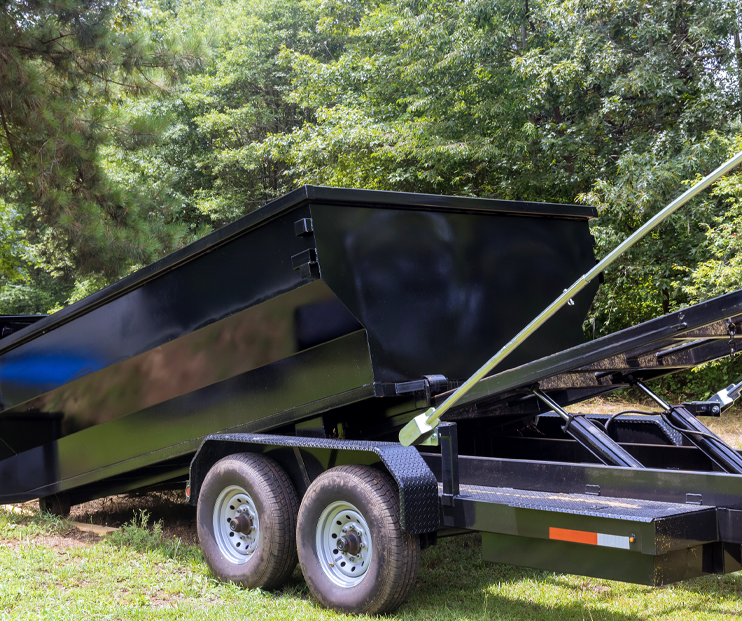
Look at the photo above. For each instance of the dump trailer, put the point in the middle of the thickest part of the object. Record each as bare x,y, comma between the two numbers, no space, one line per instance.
269,368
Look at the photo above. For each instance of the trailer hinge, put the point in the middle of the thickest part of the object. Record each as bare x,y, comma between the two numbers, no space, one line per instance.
434,385
732,329
431,385
305,262
303,227
406,387
703,408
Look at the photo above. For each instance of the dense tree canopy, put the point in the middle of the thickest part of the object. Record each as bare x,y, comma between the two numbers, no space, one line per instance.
66,67
616,104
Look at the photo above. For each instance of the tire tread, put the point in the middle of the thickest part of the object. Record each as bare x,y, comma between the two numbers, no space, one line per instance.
404,555
283,510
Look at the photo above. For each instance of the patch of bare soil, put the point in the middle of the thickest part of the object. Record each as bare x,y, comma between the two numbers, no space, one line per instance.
177,517
60,542
169,507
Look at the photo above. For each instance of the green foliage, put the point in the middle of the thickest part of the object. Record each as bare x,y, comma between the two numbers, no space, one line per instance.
137,535
210,154
612,104
24,522
721,272
65,69
701,382
18,299
648,280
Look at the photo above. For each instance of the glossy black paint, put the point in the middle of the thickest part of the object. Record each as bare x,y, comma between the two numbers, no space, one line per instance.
441,292
611,564
673,534
710,489
719,451
266,322
13,323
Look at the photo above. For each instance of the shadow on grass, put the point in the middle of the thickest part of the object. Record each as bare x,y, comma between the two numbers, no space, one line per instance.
169,508
454,583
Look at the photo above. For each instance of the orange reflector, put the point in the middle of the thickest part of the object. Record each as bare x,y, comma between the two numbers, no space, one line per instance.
575,536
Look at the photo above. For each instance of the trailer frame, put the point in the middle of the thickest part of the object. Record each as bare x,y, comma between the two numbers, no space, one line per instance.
557,507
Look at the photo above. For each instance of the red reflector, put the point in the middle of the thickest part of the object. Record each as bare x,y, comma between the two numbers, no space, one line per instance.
575,536
188,491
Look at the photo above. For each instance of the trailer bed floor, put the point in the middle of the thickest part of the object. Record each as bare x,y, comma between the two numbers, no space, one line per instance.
580,504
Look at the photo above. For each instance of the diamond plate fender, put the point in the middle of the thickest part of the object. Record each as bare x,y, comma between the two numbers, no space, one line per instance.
418,487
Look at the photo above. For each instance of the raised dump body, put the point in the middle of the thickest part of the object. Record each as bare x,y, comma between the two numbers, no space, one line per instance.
323,312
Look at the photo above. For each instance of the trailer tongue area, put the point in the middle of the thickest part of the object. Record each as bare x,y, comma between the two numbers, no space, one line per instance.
269,368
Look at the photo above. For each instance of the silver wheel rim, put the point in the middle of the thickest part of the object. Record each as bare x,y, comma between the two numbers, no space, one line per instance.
237,547
342,519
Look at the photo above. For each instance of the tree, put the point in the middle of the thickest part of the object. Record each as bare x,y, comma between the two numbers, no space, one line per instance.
66,68
212,152
614,104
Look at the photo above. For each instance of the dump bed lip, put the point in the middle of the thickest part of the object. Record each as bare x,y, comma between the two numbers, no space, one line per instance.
443,202
304,194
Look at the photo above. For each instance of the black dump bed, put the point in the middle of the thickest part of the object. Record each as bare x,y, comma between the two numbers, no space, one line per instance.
321,299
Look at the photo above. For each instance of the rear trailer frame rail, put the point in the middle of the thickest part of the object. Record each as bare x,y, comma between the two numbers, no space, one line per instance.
645,526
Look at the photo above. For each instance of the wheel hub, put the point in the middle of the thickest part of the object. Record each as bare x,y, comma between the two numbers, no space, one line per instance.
350,543
236,525
241,524
344,544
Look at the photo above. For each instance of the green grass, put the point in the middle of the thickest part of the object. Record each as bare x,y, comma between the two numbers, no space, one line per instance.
139,574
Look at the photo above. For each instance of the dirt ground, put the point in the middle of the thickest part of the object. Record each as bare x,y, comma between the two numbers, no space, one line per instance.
171,508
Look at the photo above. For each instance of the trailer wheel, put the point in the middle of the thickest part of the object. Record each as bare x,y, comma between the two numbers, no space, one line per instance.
353,552
246,520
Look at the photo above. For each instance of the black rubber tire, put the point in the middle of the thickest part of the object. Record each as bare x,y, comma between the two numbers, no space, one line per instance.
277,505
56,504
396,554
